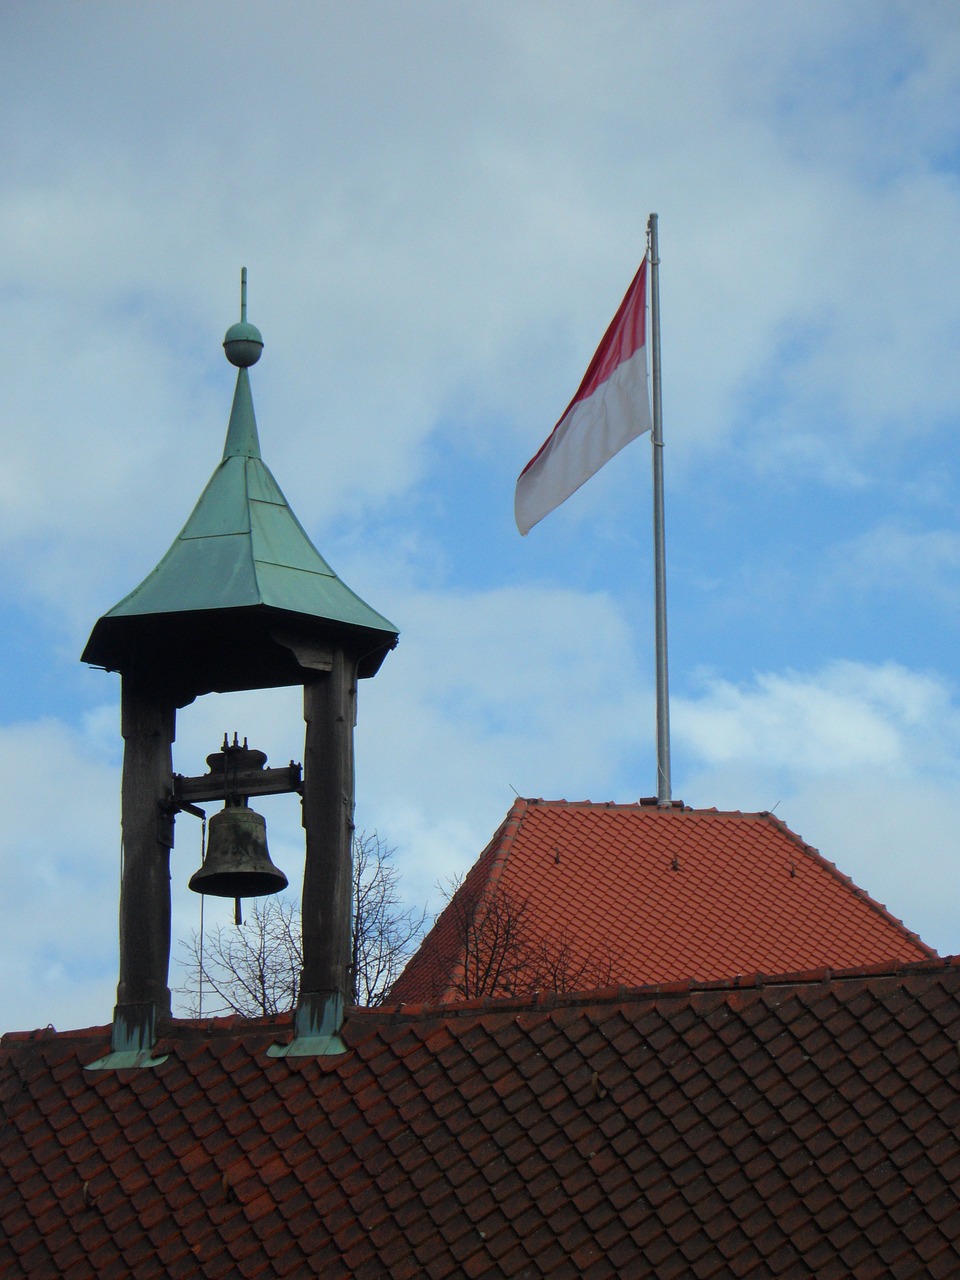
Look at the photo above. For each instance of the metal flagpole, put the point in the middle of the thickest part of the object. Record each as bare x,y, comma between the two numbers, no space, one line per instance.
659,553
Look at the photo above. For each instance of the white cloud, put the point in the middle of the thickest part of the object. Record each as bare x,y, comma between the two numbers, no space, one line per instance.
861,761
59,866
481,202
846,716
439,216
889,558
532,691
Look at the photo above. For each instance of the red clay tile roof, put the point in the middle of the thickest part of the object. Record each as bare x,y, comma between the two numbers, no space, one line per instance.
808,1126
634,893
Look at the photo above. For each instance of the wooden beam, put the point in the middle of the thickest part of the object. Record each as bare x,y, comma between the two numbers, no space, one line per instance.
242,782
148,718
329,709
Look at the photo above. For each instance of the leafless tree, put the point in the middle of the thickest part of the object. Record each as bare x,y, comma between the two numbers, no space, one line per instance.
490,942
254,969
250,969
496,950
385,934
559,963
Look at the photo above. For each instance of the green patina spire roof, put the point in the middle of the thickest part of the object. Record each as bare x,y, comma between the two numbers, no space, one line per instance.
242,562
242,439
243,346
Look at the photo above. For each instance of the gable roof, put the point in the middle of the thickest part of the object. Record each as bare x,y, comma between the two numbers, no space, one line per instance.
636,893
806,1126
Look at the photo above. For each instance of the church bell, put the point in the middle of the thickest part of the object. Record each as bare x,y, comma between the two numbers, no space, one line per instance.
237,864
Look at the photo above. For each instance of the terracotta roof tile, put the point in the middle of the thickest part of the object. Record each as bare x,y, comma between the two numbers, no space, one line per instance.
784,1127
647,894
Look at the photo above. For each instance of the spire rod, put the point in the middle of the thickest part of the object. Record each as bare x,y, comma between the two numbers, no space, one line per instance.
243,343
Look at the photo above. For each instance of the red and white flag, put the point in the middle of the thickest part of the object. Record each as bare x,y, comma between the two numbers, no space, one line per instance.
611,408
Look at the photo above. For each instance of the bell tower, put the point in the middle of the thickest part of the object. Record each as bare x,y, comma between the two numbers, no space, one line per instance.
242,600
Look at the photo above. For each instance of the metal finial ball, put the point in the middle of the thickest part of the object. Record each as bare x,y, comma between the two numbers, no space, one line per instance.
243,344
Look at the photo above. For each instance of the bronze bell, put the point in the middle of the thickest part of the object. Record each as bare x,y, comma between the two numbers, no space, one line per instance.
237,864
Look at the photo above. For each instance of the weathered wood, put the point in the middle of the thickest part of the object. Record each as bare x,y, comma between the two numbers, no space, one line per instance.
147,723
310,654
244,782
329,709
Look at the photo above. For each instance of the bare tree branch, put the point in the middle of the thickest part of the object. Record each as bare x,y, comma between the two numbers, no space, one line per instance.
385,935
254,969
251,970
496,950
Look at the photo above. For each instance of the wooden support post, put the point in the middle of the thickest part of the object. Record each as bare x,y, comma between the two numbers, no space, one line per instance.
329,709
147,723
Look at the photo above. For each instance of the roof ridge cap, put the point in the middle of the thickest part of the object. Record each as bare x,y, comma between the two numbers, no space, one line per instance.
49,1032
182,1028
504,839
545,1000
645,802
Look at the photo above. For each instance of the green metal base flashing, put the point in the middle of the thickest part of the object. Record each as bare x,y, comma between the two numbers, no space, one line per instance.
316,1028
132,1041
125,1059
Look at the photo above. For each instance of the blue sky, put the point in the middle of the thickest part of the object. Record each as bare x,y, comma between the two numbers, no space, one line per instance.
440,208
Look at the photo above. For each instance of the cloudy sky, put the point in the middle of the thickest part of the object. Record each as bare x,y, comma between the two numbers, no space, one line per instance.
440,207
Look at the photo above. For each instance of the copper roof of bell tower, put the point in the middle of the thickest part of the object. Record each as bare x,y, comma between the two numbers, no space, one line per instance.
242,582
